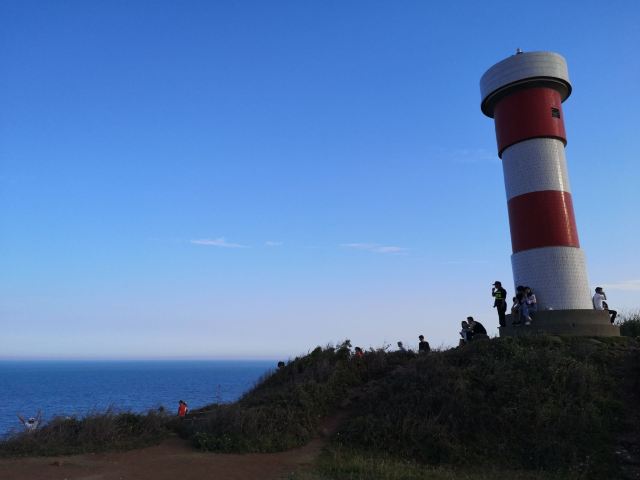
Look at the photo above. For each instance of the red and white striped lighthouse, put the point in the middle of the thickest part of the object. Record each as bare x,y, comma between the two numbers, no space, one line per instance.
524,95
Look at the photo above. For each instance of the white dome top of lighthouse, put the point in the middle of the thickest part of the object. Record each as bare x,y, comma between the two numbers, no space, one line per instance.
547,69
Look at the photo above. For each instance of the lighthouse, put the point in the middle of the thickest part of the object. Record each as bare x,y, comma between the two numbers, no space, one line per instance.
524,95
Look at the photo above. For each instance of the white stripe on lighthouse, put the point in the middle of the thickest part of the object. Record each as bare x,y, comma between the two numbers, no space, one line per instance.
535,165
557,274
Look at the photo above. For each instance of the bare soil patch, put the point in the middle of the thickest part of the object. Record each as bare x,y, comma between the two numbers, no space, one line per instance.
174,459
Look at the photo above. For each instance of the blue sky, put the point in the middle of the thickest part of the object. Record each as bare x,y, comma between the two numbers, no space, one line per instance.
252,179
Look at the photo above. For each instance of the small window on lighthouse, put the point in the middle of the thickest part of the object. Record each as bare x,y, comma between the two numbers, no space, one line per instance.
555,112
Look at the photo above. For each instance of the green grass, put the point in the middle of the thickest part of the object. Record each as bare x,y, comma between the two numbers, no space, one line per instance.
531,403
337,464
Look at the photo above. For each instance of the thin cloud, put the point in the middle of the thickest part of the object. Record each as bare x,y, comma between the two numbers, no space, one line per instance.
466,262
467,155
217,242
627,285
375,248
273,244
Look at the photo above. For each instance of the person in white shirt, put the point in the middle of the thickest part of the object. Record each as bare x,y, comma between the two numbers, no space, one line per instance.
600,303
30,425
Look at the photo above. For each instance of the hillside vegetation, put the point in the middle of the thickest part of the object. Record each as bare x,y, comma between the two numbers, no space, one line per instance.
550,403
97,432
565,406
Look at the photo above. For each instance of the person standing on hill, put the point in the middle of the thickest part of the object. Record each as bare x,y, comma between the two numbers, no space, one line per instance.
500,301
423,345
183,408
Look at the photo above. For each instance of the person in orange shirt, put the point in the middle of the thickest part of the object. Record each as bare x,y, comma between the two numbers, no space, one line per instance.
183,409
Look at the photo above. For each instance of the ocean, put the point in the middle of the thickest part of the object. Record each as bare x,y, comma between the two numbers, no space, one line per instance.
79,387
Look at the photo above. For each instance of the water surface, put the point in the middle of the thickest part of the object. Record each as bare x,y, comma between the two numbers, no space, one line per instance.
79,387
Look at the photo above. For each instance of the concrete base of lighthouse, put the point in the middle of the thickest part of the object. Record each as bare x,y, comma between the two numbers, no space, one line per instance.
585,323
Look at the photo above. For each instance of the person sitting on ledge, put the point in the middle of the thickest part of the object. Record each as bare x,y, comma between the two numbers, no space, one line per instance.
599,303
515,312
523,313
531,301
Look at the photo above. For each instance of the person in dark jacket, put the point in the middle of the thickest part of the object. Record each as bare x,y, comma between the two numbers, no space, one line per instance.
423,345
500,302
476,327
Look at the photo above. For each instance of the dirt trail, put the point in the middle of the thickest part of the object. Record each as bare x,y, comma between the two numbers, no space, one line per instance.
174,459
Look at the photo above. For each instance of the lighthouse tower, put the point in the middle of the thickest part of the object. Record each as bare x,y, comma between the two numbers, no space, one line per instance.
524,95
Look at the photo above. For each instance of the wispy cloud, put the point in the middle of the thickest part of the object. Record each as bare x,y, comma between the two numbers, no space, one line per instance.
467,155
270,243
629,285
466,262
375,248
217,242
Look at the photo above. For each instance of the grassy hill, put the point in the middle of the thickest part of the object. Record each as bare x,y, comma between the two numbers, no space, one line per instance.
539,403
560,406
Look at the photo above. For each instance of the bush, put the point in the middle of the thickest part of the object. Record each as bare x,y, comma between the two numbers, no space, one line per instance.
539,402
285,408
629,324
93,433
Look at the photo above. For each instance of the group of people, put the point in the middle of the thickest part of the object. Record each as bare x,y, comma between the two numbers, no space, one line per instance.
423,346
525,304
470,329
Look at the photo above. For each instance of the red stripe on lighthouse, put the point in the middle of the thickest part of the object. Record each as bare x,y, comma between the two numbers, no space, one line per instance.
542,219
529,113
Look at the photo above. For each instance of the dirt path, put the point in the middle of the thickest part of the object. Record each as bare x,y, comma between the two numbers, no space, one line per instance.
172,460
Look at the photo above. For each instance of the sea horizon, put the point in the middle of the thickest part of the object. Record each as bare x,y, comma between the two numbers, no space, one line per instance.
248,358
77,387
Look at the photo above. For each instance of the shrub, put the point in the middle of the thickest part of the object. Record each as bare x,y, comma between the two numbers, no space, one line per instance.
94,433
629,323
531,403
285,408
